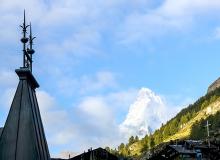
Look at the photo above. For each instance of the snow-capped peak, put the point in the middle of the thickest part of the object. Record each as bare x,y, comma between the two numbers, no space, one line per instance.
144,115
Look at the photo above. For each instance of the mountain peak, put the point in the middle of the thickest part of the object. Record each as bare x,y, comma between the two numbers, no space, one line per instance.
145,92
145,114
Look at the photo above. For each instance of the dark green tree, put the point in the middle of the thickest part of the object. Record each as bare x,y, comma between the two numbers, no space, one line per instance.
131,140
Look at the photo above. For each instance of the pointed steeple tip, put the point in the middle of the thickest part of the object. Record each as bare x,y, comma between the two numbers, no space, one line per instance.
24,16
28,51
25,72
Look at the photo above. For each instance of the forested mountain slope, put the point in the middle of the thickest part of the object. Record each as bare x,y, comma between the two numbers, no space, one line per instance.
187,124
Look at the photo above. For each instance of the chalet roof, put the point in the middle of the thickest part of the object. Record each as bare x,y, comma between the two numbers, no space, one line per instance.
23,135
194,142
99,153
181,149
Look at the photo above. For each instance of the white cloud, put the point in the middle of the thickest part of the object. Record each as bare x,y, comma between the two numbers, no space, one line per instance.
7,79
7,97
91,123
138,19
8,83
94,121
96,109
55,119
170,17
88,84
73,30
82,43
103,79
188,8
46,101
97,123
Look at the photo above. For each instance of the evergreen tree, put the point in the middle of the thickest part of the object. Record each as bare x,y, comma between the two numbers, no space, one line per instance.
136,138
131,140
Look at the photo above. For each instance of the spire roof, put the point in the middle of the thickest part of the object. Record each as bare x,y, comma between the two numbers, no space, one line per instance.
1,128
23,137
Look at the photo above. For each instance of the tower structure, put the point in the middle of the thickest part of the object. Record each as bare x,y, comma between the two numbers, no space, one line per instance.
23,137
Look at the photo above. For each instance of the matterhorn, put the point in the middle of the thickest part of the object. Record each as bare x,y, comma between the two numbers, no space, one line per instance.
146,114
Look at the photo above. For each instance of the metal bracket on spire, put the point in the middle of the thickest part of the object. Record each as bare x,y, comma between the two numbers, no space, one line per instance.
30,50
27,52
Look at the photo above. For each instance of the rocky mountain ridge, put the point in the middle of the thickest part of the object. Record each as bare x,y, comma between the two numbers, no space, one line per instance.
214,85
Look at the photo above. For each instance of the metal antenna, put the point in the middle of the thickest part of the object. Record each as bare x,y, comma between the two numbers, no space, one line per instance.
30,50
27,53
24,39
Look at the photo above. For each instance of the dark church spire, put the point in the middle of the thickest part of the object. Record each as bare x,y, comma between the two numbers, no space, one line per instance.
23,136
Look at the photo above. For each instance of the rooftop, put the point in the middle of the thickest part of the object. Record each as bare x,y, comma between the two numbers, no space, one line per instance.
182,150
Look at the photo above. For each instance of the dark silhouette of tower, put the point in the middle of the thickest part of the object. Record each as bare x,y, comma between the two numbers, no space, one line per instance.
22,137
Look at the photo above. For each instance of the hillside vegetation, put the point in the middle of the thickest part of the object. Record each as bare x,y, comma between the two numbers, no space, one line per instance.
188,123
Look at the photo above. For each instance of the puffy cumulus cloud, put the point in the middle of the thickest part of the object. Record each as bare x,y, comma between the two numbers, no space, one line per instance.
108,120
73,30
46,15
5,103
45,100
100,121
56,120
7,79
7,91
187,8
169,17
102,79
132,20
146,114
9,11
97,123
120,102
93,122
87,84
96,109
7,97
81,44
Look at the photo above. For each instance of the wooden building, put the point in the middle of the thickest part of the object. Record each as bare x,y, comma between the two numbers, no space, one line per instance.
187,150
96,154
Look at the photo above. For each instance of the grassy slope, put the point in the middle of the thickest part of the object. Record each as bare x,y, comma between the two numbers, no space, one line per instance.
184,132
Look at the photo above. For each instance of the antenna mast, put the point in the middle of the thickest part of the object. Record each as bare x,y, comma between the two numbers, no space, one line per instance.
27,52
30,50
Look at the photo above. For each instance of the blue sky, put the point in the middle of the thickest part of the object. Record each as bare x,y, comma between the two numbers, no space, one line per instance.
97,55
